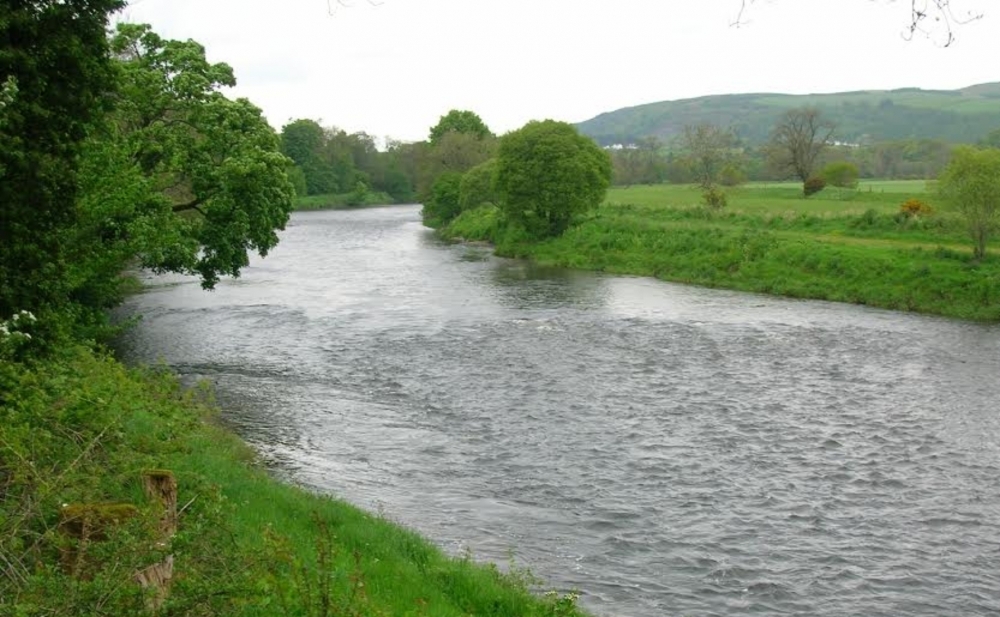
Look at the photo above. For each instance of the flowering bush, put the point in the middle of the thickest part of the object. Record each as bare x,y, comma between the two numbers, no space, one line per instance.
14,333
914,207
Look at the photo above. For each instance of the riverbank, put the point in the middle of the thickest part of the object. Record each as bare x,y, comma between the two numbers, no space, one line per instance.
79,431
343,201
844,246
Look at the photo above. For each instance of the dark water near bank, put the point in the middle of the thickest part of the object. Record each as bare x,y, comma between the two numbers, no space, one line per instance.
667,450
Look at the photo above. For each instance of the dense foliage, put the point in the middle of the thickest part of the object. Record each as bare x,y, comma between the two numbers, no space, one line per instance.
459,121
55,65
841,174
458,143
329,161
120,151
547,173
971,185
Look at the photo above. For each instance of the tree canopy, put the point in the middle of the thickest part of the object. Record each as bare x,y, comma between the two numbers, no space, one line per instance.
798,139
459,121
217,185
547,173
971,185
122,149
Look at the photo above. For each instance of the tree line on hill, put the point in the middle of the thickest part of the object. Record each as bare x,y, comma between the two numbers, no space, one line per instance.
649,160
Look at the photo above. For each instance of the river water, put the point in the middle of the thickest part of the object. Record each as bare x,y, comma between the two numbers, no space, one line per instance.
666,450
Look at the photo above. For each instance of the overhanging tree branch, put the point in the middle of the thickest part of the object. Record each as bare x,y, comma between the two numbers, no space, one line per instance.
191,205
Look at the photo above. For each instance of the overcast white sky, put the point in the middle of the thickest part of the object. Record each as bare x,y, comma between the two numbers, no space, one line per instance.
393,67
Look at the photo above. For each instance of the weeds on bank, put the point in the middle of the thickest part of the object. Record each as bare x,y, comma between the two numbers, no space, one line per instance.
77,434
895,253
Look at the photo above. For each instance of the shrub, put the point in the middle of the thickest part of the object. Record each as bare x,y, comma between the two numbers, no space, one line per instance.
914,207
714,198
813,185
841,174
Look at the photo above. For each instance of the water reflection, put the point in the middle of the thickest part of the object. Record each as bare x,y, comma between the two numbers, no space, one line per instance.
522,284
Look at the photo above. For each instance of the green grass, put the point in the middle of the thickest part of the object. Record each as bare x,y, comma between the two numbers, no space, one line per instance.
81,429
848,246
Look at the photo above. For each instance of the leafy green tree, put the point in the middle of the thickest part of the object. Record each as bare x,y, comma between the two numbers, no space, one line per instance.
547,173
459,121
445,200
454,152
304,142
217,186
841,174
57,76
298,179
971,185
478,186
797,141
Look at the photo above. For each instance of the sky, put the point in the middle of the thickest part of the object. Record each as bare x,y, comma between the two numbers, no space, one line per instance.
392,68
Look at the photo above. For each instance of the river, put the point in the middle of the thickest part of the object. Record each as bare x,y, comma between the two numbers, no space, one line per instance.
666,450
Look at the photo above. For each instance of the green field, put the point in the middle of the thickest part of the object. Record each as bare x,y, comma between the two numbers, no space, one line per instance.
841,245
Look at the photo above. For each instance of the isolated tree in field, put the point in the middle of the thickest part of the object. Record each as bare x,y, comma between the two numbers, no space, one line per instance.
547,172
710,149
797,141
971,185
841,174
459,121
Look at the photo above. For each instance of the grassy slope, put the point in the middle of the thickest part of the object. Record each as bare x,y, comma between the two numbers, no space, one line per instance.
843,246
957,116
80,429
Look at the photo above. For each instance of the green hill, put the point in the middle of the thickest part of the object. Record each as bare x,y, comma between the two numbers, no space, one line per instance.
956,116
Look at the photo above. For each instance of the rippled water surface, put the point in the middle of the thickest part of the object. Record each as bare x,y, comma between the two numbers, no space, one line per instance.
667,450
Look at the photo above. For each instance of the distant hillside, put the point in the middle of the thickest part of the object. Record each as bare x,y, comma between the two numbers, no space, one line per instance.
957,116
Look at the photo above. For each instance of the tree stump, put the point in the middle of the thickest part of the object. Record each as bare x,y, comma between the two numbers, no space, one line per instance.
161,488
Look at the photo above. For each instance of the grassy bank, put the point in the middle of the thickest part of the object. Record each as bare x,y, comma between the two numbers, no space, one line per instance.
343,201
77,435
847,246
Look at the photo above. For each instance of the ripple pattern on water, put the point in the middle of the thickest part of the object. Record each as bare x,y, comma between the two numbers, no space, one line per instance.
667,450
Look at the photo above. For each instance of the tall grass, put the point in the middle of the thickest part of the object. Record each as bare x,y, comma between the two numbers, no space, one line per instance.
78,431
